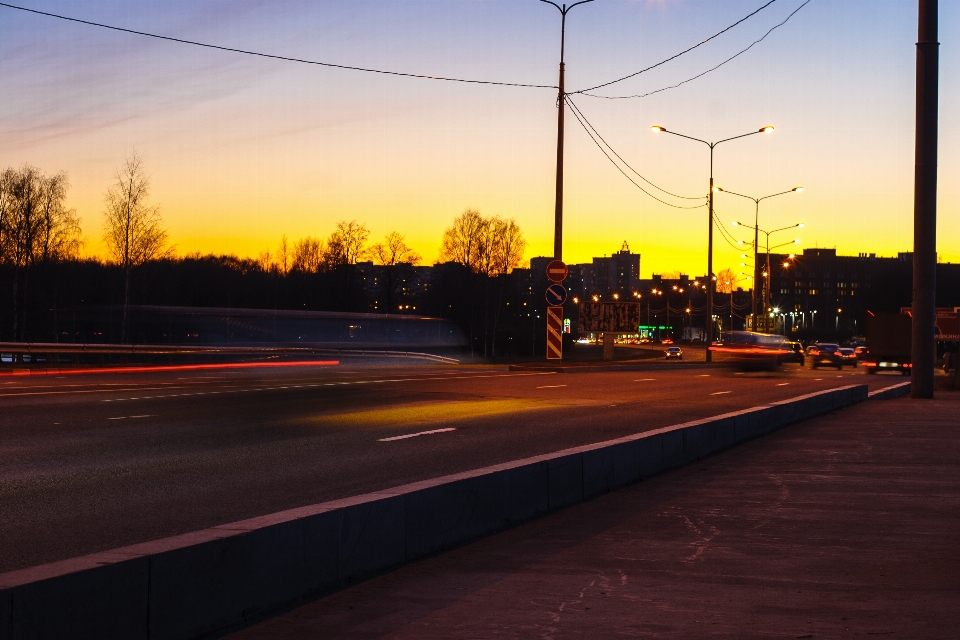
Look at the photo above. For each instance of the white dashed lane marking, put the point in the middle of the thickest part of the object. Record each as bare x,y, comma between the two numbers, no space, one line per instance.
414,435
720,393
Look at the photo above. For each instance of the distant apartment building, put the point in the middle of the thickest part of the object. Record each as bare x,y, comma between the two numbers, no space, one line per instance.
819,290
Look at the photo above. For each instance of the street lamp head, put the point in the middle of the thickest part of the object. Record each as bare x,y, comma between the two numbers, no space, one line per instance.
657,128
716,188
735,223
798,189
739,241
801,225
797,241
766,129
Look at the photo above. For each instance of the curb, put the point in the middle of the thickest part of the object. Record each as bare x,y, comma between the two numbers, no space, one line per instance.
208,581
891,392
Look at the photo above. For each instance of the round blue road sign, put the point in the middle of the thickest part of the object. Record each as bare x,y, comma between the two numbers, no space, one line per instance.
556,295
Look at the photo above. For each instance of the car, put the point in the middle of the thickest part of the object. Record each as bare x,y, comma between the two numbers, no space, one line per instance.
849,356
826,353
862,352
667,341
794,353
674,352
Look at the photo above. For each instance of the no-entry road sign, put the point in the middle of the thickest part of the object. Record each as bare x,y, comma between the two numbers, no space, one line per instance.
556,295
556,271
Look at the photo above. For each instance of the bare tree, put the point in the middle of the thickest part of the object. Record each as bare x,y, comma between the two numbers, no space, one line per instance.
132,227
393,250
466,240
345,245
35,226
393,254
488,246
726,279
307,255
507,245
283,256
59,235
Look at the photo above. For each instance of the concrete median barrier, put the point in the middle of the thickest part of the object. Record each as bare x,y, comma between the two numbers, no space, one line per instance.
197,584
891,392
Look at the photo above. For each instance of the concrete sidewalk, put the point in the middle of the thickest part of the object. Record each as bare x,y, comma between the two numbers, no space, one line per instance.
846,525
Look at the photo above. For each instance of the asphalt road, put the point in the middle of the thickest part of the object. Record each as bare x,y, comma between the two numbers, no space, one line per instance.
93,462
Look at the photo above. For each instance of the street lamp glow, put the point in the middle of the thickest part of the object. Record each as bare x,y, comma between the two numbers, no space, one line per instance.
716,188
735,223
657,128
801,225
766,129
797,241
798,189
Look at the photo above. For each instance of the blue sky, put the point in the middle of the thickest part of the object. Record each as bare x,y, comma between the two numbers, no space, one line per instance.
243,150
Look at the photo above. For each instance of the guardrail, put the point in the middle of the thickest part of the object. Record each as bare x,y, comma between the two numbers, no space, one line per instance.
50,349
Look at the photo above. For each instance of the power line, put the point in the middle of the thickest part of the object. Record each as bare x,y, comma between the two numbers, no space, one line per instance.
674,57
699,75
727,236
574,107
273,56
620,169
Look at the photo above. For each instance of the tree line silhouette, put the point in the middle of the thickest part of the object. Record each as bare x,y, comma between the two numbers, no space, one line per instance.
54,294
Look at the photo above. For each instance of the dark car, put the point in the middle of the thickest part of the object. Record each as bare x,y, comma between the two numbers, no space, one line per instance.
674,352
849,356
794,353
823,353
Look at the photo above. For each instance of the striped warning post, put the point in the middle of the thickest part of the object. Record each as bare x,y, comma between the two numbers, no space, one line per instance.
554,333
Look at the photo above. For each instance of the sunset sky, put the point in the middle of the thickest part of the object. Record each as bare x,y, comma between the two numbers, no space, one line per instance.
243,150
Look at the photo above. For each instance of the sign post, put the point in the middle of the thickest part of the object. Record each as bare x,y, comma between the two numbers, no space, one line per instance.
556,295
554,333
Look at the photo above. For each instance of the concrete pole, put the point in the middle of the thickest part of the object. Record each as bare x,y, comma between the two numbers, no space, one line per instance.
561,104
710,282
756,265
925,204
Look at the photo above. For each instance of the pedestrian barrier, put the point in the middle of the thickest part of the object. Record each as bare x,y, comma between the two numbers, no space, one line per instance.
205,582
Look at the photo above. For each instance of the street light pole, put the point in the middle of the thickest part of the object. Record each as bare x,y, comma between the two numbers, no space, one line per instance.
925,203
711,286
561,103
766,272
756,242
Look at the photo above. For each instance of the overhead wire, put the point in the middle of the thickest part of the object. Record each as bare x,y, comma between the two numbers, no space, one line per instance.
620,169
699,75
574,107
675,56
274,56
726,235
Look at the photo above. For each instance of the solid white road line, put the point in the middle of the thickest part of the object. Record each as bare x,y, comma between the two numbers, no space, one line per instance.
414,435
782,384
720,393
645,380
551,386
